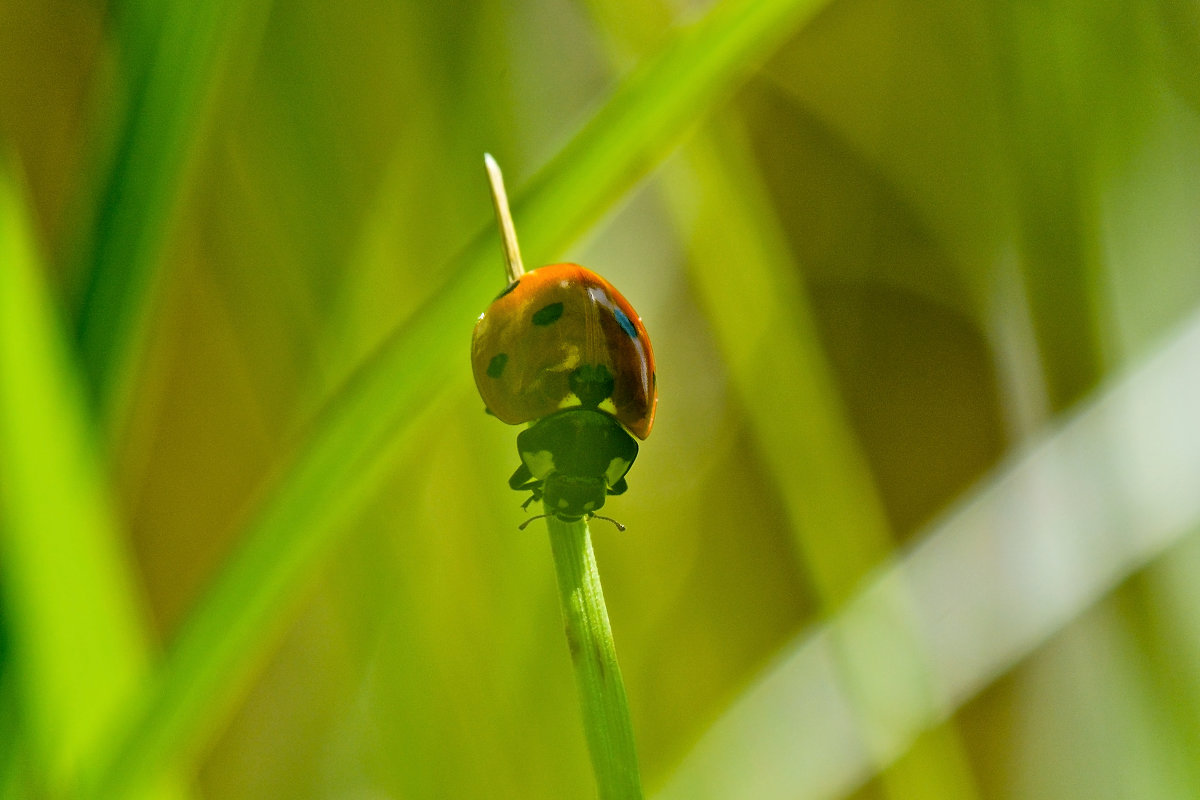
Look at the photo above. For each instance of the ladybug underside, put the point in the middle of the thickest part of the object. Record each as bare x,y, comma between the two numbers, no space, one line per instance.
572,460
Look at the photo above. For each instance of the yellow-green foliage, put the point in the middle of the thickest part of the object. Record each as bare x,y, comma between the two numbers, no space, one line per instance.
914,520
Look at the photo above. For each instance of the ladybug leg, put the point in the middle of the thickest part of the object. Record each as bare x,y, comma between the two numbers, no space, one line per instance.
619,487
522,480
535,489
536,495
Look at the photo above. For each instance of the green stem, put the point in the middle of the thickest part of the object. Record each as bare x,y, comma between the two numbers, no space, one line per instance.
594,656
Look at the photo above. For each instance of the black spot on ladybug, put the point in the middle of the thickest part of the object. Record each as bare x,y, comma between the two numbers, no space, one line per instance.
496,365
508,289
625,323
548,315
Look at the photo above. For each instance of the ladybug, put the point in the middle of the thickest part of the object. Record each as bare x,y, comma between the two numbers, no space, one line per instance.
562,349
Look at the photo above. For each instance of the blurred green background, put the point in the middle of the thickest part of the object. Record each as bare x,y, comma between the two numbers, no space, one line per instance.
896,258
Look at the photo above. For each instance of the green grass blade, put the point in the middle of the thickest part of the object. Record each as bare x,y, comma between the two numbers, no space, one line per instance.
602,698
1057,201
13,760
78,649
801,427
1103,494
340,462
172,57
837,518
659,103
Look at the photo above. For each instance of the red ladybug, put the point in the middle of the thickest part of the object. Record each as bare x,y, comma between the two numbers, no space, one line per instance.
560,347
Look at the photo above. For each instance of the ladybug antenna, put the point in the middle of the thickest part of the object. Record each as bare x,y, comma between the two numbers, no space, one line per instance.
508,233
620,527
521,527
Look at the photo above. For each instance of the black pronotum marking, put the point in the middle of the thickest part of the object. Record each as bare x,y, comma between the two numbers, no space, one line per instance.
548,315
496,365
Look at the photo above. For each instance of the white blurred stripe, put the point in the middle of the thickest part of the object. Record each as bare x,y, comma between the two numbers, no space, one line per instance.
1010,565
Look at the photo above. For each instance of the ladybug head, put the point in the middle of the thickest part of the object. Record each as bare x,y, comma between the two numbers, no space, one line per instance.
571,497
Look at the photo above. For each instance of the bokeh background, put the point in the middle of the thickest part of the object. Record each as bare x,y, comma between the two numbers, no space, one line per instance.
890,253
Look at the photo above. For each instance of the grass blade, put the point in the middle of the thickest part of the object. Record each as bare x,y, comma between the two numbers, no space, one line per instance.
1056,199
341,460
836,514
594,655
837,518
173,56
78,649
658,104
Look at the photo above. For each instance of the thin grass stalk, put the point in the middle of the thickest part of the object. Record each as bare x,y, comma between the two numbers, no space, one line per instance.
602,699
